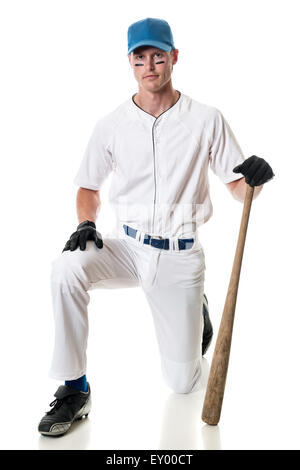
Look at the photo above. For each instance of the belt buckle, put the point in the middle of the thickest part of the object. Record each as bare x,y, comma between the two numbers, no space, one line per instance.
154,237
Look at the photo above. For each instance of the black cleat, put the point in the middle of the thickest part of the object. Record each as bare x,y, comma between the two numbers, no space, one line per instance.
208,329
70,405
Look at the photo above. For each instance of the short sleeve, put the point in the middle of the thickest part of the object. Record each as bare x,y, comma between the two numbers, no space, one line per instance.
225,153
97,160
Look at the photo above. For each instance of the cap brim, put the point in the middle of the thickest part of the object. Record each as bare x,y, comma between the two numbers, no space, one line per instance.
158,44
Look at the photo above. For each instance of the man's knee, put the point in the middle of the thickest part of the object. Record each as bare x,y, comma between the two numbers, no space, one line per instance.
182,377
70,269
179,387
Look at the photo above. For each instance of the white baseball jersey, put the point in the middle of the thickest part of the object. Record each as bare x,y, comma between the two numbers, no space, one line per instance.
160,165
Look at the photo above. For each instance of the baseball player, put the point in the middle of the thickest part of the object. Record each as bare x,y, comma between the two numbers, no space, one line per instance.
159,145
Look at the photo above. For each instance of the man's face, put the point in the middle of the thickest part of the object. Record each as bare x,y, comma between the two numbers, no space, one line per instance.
152,67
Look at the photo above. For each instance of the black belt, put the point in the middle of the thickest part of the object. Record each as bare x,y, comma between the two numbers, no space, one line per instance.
162,243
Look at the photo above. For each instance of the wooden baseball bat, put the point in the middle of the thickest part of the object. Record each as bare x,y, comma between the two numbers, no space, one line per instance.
217,377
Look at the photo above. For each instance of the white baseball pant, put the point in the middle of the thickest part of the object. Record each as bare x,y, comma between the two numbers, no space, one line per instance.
173,283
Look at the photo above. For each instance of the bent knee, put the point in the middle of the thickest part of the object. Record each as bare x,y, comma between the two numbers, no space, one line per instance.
182,377
70,268
181,388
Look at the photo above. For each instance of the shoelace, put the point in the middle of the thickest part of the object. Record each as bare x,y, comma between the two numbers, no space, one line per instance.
56,404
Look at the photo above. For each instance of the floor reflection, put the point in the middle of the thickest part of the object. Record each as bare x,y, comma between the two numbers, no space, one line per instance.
211,437
182,420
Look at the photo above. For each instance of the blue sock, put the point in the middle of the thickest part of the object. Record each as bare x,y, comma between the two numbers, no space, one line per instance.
81,383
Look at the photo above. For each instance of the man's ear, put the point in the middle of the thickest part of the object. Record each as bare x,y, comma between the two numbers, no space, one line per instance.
129,58
175,56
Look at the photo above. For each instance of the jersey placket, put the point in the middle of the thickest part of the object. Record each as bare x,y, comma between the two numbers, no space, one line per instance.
156,174
158,217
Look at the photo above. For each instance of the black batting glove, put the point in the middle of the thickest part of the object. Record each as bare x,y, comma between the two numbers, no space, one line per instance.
85,231
256,171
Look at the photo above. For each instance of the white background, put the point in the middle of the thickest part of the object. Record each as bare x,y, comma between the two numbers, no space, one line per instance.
63,65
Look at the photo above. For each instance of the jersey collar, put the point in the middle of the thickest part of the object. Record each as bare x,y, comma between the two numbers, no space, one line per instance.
150,116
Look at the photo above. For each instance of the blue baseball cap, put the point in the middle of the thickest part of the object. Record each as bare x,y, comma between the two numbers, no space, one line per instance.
150,32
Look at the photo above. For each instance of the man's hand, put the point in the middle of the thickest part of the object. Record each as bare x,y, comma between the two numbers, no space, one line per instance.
256,171
85,231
